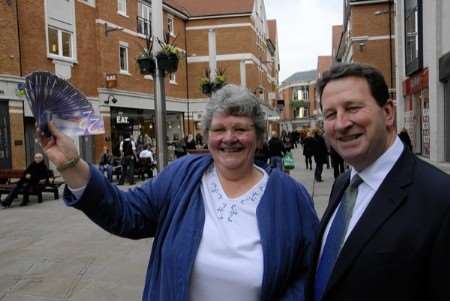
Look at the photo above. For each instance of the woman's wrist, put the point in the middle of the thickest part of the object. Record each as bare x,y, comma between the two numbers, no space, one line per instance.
69,164
78,175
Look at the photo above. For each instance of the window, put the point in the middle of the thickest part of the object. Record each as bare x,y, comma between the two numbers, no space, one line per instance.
59,42
173,78
170,25
413,36
123,55
122,7
144,19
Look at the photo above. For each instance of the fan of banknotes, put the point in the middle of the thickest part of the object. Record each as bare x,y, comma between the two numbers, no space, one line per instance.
54,99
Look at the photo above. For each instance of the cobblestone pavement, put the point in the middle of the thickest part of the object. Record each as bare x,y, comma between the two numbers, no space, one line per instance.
49,252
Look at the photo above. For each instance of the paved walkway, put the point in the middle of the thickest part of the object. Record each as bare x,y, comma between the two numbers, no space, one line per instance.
49,252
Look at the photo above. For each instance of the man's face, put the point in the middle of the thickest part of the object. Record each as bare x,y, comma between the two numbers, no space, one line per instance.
355,125
38,158
232,141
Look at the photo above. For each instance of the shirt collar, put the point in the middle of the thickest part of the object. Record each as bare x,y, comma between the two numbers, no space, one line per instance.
374,174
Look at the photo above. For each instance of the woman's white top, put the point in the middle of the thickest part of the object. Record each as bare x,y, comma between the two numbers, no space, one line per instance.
229,262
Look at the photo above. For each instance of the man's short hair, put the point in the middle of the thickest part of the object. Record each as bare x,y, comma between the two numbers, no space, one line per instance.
377,84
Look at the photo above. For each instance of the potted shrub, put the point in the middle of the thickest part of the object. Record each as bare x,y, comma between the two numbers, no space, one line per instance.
205,83
207,86
168,56
145,60
219,81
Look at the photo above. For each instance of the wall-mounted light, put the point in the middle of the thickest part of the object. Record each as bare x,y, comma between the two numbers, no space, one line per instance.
361,46
110,98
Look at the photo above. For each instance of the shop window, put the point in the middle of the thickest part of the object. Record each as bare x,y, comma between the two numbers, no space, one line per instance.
122,7
59,42
413,36
123,56
144,19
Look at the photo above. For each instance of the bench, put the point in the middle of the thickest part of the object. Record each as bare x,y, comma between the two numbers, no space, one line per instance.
10,177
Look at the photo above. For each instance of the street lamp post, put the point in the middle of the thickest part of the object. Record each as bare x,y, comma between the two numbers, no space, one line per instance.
160,97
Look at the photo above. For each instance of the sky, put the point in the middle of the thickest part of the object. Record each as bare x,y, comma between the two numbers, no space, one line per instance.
304,31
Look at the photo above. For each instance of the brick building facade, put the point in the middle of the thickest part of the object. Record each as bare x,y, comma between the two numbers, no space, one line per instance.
369,36
94,44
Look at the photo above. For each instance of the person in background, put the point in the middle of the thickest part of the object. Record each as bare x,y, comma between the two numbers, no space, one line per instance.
262,154
223,228
180,147
276,151
147,162
404,137
128,159
337,162
106,162
36,173
199,140
308,149
320,154
385,234
190,142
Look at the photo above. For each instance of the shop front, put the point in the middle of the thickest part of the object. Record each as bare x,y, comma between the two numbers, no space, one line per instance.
141,126
417,118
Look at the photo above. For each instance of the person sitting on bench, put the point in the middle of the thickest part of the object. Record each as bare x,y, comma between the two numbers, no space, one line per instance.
106,162
34,174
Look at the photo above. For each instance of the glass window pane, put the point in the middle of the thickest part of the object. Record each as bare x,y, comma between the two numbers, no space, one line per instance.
53,41
67,44
123,59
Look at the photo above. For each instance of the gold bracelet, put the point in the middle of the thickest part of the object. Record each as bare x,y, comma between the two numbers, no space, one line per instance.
69,164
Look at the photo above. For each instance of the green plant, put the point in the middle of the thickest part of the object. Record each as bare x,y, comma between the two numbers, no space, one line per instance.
147,49
207,86
167,47
145,60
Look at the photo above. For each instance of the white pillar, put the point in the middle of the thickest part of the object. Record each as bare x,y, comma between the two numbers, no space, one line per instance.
212,53
243,74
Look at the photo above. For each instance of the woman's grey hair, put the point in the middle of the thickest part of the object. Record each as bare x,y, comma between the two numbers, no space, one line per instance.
235,101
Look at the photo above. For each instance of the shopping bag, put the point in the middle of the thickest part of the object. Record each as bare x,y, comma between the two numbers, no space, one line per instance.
288,161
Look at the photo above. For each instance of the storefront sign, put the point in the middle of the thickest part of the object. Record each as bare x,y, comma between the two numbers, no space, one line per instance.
111,80
120,119
416,83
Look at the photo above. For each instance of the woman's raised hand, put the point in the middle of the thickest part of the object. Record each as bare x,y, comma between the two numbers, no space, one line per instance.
61,150
59,147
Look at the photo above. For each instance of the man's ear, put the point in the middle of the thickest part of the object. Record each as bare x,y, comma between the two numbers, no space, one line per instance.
389,113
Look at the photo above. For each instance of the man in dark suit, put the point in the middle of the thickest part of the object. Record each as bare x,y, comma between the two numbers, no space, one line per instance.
386,236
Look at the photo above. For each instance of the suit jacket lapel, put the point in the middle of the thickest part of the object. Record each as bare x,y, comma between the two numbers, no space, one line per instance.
387,199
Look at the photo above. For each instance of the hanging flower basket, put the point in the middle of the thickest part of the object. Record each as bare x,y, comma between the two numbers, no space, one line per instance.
145,60
206,87
146,65
167,62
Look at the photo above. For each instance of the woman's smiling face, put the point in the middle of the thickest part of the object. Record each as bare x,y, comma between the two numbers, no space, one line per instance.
232,141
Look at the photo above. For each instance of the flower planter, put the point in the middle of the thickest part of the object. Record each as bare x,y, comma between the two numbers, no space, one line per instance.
167,62
207,88
146,65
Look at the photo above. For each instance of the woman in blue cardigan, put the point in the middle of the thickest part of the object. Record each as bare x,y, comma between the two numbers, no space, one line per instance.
223,227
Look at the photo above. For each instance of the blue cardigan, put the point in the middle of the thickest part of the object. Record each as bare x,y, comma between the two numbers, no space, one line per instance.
170,209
